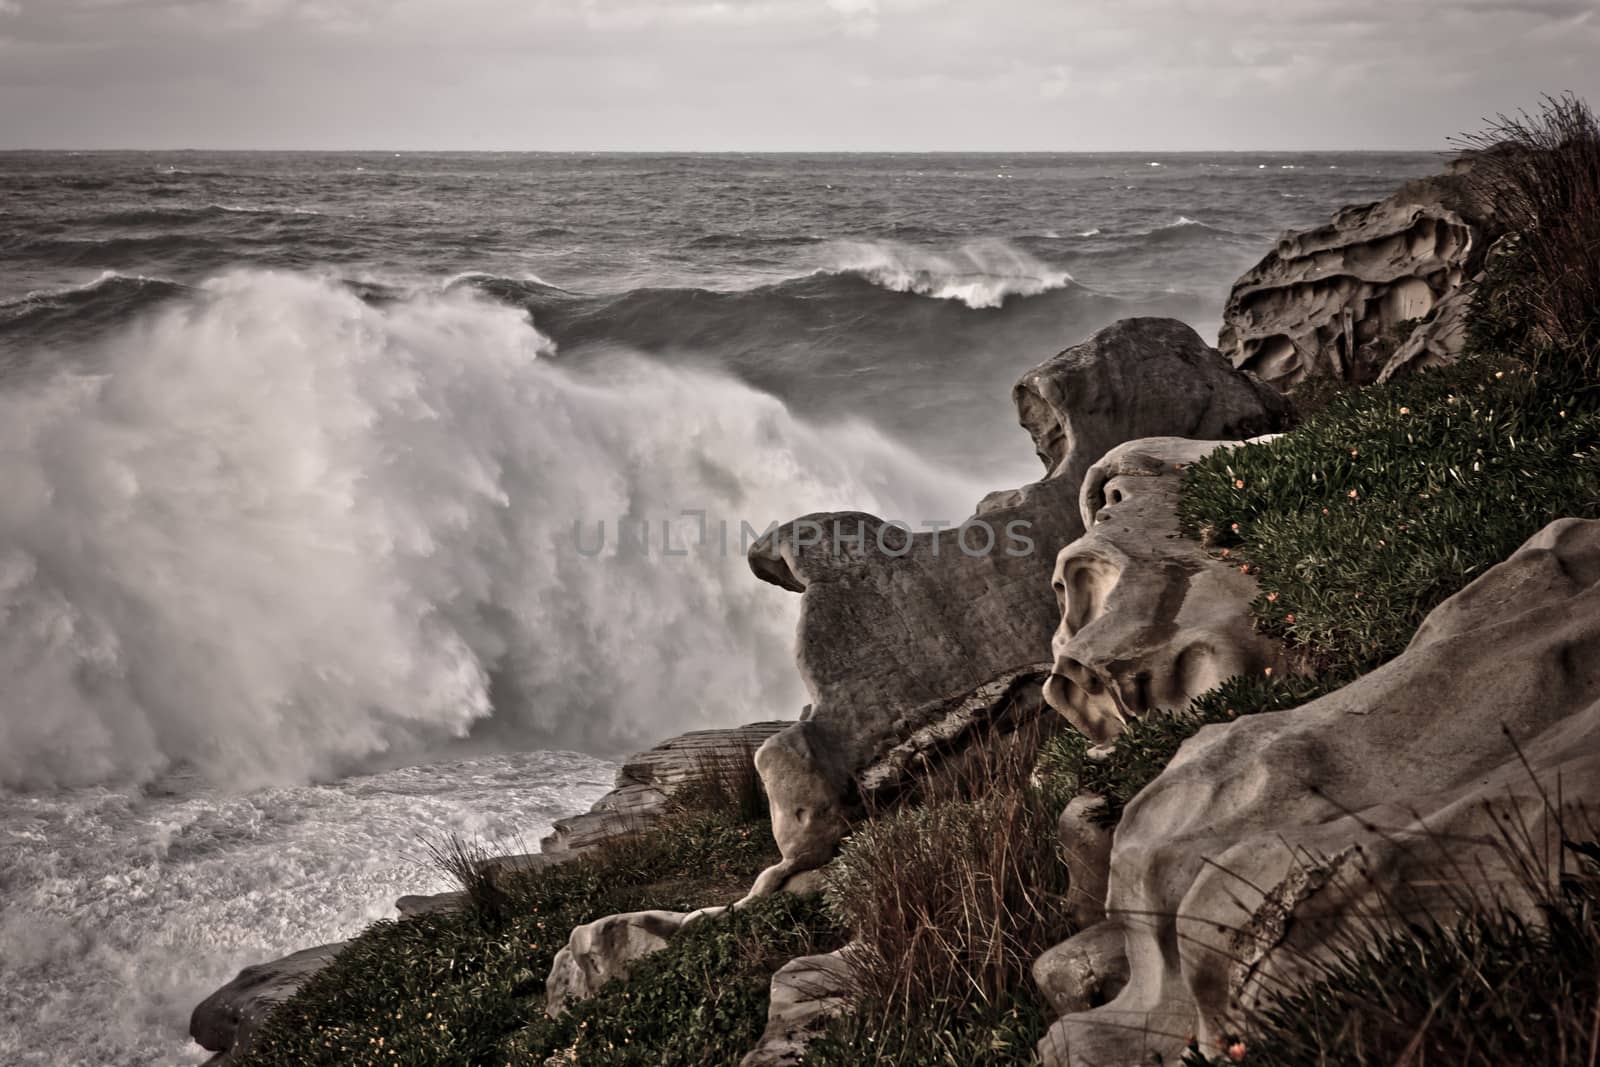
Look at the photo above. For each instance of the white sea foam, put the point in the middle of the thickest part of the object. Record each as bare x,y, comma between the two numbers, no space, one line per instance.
981,274
281,531
120,910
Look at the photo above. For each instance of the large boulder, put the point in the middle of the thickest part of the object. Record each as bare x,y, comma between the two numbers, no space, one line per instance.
895,624
1268,839
1381,287
1149,619
607,949
226,1021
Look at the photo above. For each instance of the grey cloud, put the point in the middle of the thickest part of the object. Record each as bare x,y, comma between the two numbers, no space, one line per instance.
1039,74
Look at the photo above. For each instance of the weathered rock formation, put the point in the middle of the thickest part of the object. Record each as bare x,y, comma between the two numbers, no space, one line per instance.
1269,837
1341,300
645,784
607,948
1149,619
226,1021
805,994
894,625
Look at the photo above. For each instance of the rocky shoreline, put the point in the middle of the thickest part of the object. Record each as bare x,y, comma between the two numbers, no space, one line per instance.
1265,838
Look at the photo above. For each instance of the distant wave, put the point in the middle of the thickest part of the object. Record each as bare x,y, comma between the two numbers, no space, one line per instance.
981,274
51,315
1185,228
120,251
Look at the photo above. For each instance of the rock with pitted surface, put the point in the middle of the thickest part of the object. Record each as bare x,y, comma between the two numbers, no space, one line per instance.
1380,288
227,1020
1268,839
1149,619
894,625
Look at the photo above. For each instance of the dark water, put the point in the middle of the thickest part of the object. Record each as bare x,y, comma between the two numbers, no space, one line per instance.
908,288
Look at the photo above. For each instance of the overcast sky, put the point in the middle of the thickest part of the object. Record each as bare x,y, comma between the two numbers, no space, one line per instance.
780,74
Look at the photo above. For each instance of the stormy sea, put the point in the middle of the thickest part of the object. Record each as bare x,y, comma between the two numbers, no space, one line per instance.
314,471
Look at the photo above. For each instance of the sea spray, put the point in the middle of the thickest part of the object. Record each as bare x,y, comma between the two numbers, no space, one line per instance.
980,274
275,531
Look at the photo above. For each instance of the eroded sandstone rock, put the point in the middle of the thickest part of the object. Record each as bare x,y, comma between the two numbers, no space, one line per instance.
895,625
1340,300
608,948
1084,972
227,1020
1149,619
806,993
646,782
1268,837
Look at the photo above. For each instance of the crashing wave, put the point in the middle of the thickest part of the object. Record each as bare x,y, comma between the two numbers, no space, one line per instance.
981,274
274,530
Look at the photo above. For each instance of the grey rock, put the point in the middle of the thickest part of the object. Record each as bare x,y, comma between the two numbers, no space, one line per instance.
806,993
1149,619
1086,850
226,1022
1327,301
1085,972
608,948
646,782
894,625
1269,838
411,905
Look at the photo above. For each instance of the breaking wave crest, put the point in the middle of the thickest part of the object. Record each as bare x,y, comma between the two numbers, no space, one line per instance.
272,531
982,274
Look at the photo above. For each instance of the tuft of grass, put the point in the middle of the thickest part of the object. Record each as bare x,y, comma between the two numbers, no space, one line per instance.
950,901
449,988
700,1002
727,783
466,862
1542,173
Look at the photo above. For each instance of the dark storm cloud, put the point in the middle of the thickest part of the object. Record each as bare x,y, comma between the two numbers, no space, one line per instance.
763,74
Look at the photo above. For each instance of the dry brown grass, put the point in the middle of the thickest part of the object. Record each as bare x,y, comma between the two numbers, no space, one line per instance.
952,899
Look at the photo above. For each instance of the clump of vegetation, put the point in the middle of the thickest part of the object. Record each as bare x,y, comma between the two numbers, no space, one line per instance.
699,1002
1541,299
950,901
469,864
1144,749
457,987
1391,499
726,782
983,1035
